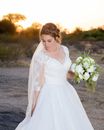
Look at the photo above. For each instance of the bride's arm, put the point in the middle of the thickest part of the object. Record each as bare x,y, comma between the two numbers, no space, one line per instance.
41,80
35,100
70,75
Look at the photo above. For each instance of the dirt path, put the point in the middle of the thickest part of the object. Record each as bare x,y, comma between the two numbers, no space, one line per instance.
13,99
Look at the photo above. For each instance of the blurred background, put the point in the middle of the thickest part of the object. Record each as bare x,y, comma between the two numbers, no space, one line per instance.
82,27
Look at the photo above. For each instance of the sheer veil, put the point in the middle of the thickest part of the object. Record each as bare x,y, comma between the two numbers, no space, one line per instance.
32,84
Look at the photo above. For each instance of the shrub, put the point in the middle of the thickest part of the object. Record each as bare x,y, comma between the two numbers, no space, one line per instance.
11,52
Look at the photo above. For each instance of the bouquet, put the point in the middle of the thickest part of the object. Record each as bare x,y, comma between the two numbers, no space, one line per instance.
86,70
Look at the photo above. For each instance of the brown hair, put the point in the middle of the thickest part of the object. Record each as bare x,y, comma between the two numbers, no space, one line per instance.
52,30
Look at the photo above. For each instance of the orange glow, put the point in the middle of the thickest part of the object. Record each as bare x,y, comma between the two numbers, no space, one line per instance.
68,13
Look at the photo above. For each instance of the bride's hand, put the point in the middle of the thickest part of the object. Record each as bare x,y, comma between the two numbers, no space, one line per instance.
35,98
70,75
33,109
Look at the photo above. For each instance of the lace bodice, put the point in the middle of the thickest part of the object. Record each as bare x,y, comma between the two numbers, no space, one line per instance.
55,71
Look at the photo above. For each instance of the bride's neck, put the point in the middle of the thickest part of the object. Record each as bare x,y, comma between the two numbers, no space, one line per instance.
53,50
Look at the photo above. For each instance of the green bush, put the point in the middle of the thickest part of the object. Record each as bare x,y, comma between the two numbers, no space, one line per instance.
7,26
7,38
9,53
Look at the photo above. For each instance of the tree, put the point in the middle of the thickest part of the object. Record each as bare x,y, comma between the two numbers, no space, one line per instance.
36,25
77,30
7,27
14,18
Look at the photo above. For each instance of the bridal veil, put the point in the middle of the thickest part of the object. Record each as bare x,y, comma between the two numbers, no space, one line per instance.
34,81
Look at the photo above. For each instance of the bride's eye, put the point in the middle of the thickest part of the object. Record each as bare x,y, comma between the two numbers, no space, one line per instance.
49,41
43,41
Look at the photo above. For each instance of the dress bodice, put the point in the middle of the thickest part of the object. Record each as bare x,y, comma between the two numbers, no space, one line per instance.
55,71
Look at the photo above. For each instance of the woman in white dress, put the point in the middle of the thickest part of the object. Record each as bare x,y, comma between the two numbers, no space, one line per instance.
53,103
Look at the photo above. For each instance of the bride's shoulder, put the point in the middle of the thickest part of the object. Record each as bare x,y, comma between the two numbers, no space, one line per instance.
42,56
65,48
38,56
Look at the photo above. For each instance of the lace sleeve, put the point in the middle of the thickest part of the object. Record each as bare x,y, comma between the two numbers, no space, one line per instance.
36,79
68,57
67,51
38,73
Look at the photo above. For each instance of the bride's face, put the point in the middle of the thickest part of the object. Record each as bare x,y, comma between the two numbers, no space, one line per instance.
49,42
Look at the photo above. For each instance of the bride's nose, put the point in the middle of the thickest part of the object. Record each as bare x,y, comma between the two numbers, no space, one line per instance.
45,44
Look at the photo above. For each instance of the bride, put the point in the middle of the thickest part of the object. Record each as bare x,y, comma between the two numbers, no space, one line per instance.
53,103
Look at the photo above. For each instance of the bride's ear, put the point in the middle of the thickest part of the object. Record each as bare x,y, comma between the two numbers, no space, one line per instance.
58,39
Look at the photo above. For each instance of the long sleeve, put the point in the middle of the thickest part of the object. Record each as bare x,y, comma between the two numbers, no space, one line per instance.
36,79
38,76
68,57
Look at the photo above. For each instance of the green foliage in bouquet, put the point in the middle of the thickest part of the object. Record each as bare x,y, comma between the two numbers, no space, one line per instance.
86,70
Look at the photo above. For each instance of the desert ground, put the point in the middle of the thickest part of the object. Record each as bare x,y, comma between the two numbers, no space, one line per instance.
13,98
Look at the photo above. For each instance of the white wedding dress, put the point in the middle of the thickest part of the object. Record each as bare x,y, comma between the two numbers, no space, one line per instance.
58,106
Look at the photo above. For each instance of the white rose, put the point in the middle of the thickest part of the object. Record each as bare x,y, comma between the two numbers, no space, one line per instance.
86,59
79,69
86,64
95,67
80,76
86,76
95,77
91,69
79,59
91,60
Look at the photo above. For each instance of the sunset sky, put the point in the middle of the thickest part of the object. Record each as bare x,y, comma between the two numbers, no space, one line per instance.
69,13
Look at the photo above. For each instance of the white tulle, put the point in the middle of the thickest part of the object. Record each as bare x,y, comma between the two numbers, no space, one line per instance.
35,72
58,106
